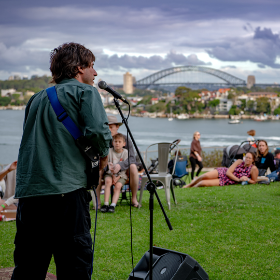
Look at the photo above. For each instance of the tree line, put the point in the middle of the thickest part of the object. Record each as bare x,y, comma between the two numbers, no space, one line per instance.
188,101
35,85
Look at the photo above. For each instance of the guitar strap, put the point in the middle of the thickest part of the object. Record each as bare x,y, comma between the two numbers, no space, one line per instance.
82,142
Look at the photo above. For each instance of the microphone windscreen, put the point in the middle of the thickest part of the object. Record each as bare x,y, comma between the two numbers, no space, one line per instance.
102,85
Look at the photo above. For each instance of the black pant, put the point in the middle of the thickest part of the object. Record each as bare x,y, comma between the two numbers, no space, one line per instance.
57,225
194,161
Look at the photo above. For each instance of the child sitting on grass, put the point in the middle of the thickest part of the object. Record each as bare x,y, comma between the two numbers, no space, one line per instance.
116,155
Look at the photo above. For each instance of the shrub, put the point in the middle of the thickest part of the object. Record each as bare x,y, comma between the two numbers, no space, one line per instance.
212,158
209,158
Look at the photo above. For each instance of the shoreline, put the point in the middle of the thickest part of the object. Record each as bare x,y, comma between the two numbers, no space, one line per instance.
15,108
194,116
161,115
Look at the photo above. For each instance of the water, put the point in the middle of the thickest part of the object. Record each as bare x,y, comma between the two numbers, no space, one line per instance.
147,131
11,125
213,132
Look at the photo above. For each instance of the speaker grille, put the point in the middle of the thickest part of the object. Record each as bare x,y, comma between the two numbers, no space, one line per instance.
166,266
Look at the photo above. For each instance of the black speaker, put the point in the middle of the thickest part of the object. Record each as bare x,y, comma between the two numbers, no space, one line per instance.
168,265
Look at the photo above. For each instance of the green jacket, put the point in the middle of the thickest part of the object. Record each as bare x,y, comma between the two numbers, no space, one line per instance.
49,162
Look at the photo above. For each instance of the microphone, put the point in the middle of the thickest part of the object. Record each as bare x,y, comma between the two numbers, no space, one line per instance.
103,85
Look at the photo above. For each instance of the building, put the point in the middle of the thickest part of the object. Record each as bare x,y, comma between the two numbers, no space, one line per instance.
29,93
224,106
7,92
222,93
128,80
273,98
251,80
17,77
262,94
154,101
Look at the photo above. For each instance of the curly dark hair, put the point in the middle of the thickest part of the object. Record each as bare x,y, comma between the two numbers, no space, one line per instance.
65,59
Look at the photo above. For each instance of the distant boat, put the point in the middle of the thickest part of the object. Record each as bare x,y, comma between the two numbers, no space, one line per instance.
170,119
260,118
152,116
183,116
234,121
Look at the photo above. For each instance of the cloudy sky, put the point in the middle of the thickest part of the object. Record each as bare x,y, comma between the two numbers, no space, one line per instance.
240,37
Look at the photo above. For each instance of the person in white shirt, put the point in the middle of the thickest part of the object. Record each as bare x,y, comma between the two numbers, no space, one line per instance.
9,175
117,154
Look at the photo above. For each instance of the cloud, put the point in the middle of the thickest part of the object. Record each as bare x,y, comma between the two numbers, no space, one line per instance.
229,67
18,59
262,48
139,34
23,59
154,62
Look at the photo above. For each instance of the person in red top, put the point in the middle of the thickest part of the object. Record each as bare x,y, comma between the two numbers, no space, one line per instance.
251,139
195,154
239,171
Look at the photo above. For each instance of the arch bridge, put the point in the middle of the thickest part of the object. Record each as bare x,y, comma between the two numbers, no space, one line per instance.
154,78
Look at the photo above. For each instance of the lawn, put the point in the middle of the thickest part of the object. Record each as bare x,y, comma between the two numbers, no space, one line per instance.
233,232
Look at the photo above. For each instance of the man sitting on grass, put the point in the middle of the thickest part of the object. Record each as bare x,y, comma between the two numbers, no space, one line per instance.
117,154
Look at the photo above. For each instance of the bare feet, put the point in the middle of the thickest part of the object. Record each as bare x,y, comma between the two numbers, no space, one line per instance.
99,206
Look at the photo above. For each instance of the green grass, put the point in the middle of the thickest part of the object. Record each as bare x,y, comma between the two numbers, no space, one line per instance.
233,232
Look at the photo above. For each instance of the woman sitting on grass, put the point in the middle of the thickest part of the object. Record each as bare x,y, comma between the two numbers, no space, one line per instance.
239,171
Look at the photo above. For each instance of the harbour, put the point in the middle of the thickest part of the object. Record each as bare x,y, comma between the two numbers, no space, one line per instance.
215,133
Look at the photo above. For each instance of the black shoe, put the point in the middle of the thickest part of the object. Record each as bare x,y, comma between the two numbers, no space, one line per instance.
111,209
104,208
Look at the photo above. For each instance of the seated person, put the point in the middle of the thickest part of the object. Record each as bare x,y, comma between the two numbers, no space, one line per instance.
6,203
264,158
117,154
124,165
179,159
274,176
251,139
9,175
239,171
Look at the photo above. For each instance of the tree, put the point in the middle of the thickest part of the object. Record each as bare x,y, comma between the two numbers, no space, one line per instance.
234,110
5,101
145,100
277,111
243,104
250,105
263,105
188,98
214,103
231,96
159,107
182,91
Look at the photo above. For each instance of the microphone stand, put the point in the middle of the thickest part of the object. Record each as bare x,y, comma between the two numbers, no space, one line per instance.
151,188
